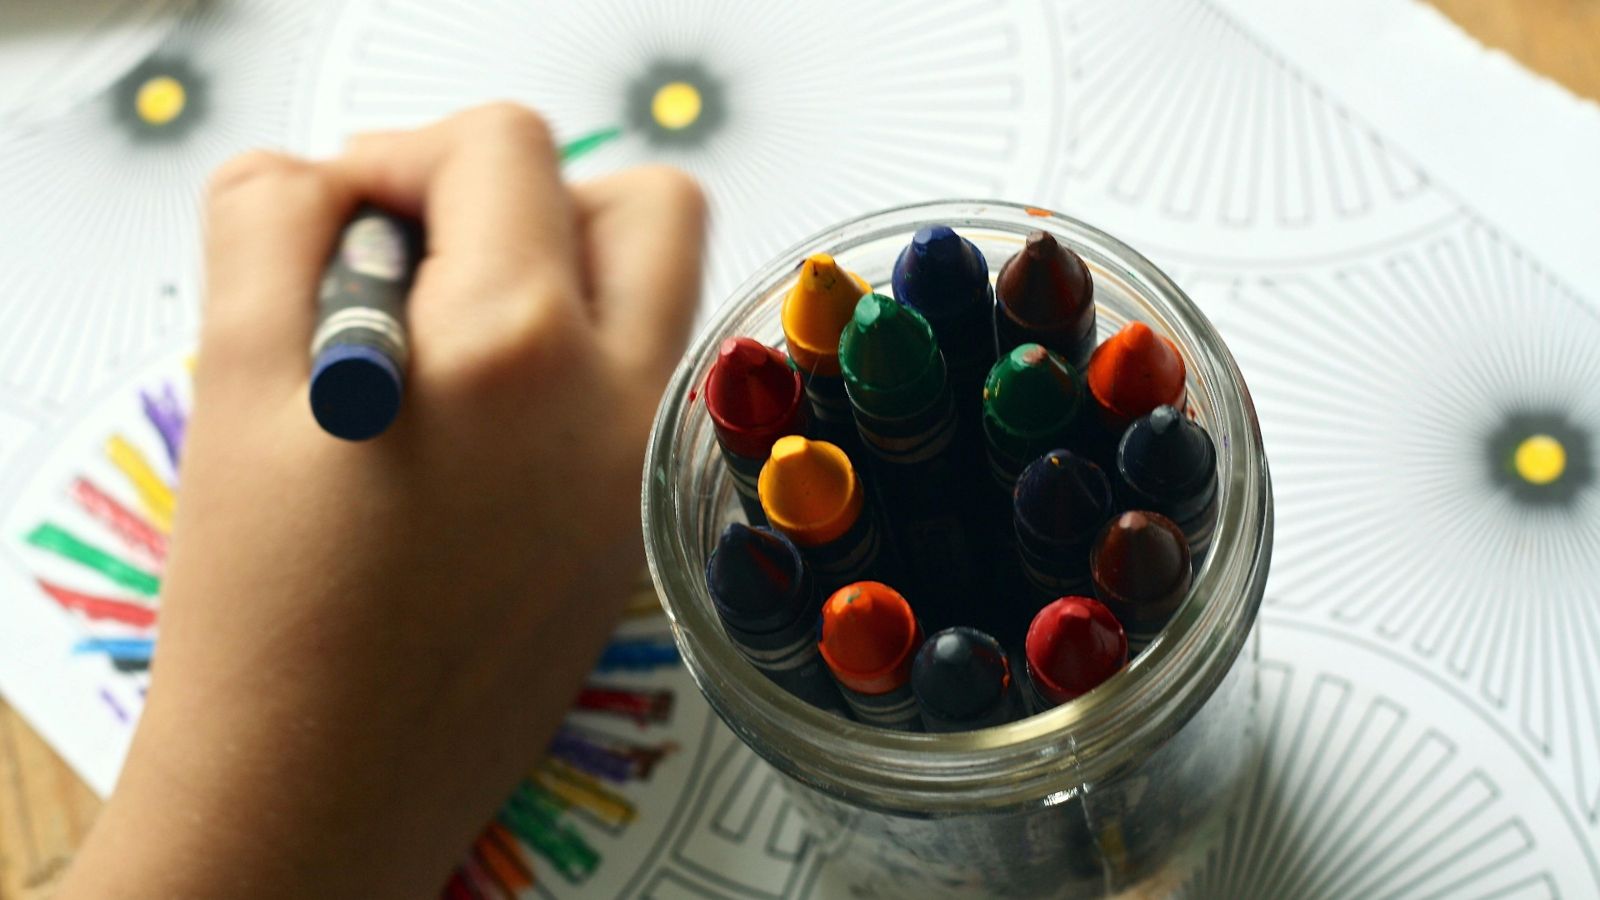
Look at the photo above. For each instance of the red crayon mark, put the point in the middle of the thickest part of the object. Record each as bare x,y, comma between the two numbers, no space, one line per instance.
102,609
457,888
643,707
124,522
753,397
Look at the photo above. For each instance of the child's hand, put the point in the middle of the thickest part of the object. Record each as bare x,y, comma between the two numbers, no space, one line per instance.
364,646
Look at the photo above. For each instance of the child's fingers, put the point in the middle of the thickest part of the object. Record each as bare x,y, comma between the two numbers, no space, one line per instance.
643,235
485,182
271,222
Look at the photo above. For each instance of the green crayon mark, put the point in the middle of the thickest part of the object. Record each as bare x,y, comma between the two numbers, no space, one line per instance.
562,846
61,542
584,144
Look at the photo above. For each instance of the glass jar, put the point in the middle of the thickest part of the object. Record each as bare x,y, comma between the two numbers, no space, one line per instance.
1119,791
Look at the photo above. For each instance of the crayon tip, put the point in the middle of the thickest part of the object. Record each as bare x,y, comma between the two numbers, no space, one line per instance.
868,637
1062,498
1165,453
889,348
355,391
941,274
1045,284
1031,392
752,396
754,576
1073,645
815,312
1141,558
1135,371
809,490
960,673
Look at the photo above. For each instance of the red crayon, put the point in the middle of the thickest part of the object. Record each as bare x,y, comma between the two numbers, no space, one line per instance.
1073,645
1132,373
754,398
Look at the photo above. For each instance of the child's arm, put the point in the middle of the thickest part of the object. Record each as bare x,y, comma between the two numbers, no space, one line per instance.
364,646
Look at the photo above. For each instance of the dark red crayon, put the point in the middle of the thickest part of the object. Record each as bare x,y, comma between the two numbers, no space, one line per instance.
754,397
1141,572
1045,295
1073,645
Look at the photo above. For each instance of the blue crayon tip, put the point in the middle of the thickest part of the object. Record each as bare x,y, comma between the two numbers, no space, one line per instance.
941,274
355,391
756,577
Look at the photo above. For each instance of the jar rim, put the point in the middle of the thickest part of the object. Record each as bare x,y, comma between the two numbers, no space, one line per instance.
1022,762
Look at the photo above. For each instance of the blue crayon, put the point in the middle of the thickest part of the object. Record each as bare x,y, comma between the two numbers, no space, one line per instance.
769,605
1061,502
1166,463
944,276
360,346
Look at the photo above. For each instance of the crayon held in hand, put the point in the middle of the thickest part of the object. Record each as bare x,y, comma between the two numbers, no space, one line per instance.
1061,502
814,313
944,276
869,638
810,493
1045,295
1073,645
1167,463
962,680
769,606
924,475
360,346
754,398
1141,572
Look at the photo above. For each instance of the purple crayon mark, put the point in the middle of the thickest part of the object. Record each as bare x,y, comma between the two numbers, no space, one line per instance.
168,417
610,758
116,708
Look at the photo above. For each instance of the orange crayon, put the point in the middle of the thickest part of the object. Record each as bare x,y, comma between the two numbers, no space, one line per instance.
1132,373
869,639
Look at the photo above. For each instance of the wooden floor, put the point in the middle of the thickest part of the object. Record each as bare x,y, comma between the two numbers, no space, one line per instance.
45,810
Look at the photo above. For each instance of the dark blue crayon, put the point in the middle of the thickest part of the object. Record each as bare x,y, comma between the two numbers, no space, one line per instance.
1061,502
944,276
1167,463
769,606
359,347
962,679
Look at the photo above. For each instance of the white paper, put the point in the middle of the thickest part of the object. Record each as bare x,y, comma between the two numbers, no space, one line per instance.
1392,227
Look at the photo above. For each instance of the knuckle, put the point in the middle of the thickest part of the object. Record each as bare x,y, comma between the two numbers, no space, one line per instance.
678,190
246,168
506,119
